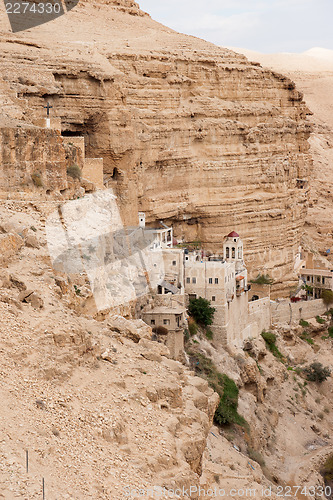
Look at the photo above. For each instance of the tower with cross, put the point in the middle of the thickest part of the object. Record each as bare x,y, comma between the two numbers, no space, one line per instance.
48,120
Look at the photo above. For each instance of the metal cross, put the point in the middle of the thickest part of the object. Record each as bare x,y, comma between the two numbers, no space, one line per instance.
48,107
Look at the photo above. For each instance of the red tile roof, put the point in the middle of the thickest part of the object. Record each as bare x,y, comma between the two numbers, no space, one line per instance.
233,234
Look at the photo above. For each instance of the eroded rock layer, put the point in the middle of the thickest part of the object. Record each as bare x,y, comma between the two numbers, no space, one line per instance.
190,133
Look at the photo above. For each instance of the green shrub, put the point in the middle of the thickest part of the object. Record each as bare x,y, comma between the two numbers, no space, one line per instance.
209,334
270,340
263,279
74,171
256,456
320,320
37,179
226,412
330,332
327,296
305,336
201,310
316,372
304,323
329,312
269,337
327,470
193,327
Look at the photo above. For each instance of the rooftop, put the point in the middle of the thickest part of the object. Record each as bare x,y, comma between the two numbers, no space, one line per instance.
165,310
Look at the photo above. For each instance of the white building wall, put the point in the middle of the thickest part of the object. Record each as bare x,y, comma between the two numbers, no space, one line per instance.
259,316
288,312
197,282
174,265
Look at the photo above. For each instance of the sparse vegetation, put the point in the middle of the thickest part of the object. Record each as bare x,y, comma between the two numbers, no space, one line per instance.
201,310
192,326
305,336
74,171
327,470
263,279
327,296
316,372
226,412
256,456
320,320
209,334
304,323
259,368
270,340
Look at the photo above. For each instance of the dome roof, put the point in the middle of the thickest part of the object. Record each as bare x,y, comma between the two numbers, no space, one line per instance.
233,234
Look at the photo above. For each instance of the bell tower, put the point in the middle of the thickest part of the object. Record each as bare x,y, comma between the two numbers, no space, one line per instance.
233,248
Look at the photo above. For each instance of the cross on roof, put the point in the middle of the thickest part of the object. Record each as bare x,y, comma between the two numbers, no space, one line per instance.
48,107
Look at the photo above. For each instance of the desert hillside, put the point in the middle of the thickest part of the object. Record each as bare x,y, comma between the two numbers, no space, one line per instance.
101,408
200,138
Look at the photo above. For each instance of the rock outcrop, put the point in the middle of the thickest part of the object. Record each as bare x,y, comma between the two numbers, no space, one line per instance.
189,132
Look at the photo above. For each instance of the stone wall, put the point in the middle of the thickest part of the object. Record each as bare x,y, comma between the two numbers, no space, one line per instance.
78,142
288,312
259,316
93,171
31,159
175,344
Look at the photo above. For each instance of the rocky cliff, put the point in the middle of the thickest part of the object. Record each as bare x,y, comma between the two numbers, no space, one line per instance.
312,71
190,133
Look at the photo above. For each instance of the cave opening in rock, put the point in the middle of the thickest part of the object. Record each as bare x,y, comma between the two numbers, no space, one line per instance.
115,174
72,133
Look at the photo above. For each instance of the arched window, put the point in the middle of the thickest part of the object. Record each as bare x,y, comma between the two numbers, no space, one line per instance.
240,252
233,255
227,252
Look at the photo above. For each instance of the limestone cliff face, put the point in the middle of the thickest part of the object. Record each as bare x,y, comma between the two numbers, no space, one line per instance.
190,133
32,157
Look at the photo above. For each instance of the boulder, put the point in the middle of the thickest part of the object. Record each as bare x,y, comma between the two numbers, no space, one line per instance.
31,241
32,298
10,244
134,330
15,281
